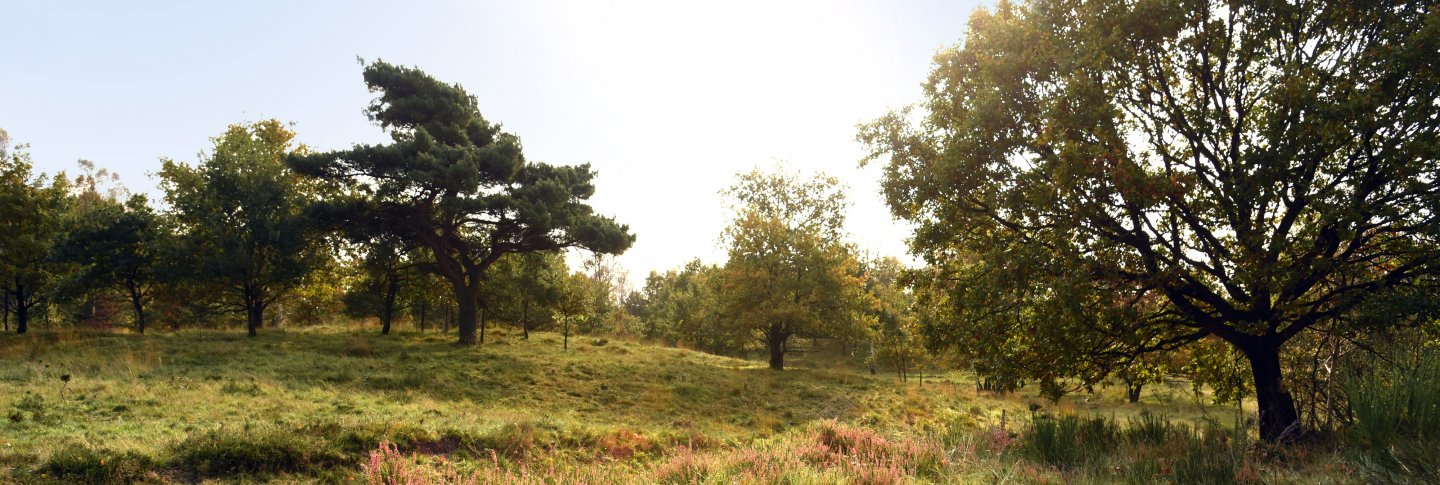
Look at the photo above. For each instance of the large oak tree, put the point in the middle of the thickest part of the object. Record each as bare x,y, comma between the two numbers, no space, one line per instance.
457,185
1112,178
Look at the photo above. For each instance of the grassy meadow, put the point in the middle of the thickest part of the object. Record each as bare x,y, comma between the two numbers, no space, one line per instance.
342,405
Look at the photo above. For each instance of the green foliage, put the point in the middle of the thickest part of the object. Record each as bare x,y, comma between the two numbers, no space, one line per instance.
525,289
1396,431
455,183
683,307
1093,180
115,246
240,213
29,227
788,272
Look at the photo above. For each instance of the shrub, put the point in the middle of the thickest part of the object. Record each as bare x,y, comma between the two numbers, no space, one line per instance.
79,464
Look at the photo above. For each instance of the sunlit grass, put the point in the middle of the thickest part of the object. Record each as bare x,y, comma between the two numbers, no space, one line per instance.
199,404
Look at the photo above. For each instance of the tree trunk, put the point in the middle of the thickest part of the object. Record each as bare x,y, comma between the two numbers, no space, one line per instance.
871,358
392,284
567,333
1279,421
482,325
423,306
22,311
137,301
254,317
525,320
776,342
1132,390
466,320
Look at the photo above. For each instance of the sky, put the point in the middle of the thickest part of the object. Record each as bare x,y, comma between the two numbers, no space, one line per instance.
667,100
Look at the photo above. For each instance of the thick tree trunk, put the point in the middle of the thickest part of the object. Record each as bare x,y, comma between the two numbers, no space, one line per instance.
254,317
22,318
1279,421
466,319
1132,389
22,310
776,342
482,325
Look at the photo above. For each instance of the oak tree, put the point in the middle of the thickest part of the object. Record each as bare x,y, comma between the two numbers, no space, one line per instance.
1110,179
789,273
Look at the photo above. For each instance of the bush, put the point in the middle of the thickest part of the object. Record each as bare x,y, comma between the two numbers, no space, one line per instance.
1396,431
79,464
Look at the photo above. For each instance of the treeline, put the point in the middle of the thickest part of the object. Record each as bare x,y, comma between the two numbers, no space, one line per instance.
448,225
242,238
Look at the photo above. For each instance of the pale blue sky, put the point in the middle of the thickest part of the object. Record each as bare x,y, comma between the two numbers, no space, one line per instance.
667,99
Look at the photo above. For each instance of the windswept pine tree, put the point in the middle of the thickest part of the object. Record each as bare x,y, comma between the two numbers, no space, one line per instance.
458,185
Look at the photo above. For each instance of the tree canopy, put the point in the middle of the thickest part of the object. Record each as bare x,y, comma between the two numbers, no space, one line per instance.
29,226
241,213
789,273
458,185
1107,179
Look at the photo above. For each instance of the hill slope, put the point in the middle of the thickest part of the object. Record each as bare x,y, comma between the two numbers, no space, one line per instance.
314,404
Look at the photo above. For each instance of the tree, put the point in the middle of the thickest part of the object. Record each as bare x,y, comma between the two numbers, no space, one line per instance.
1113,179
577,292
459,186
240,211
895,336
386,270
788,273
526,287
29,226
115,245
683,307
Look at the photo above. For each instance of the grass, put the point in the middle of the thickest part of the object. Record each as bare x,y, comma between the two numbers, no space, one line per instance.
344,404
